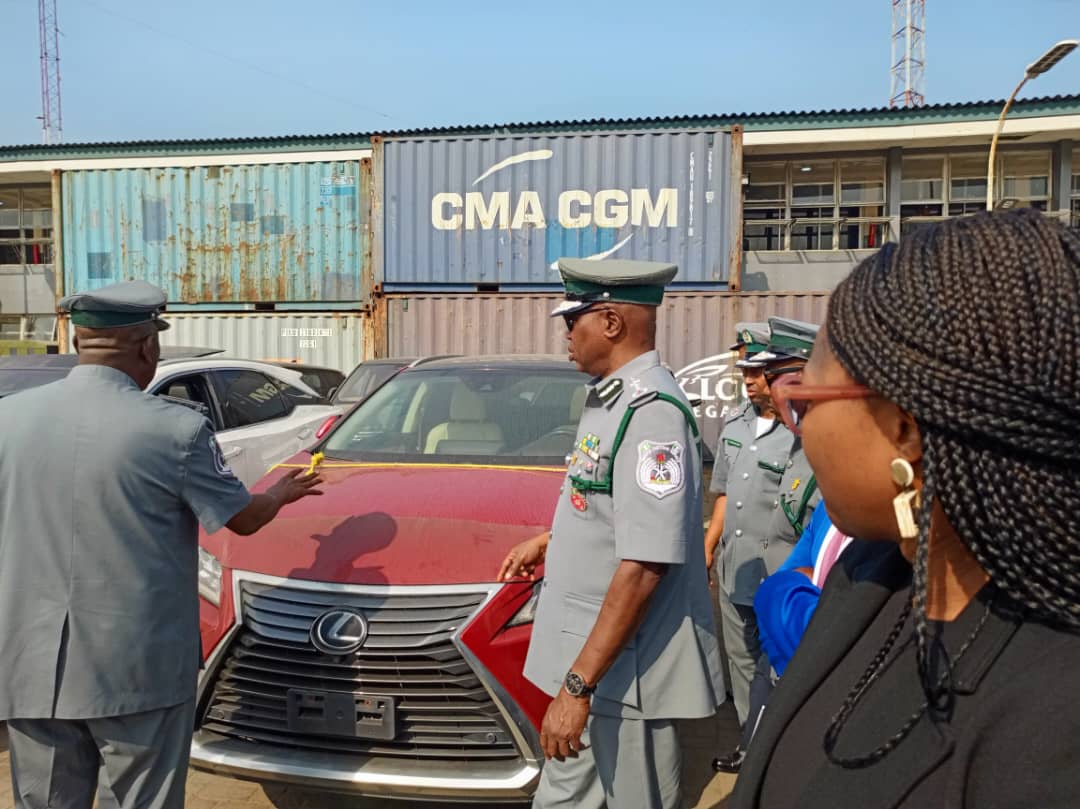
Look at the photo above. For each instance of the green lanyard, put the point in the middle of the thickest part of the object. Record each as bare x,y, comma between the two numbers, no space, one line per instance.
605,486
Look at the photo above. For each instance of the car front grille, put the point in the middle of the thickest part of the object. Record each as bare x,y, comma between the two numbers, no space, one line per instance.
443,711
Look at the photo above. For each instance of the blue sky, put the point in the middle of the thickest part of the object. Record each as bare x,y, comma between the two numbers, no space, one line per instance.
134,69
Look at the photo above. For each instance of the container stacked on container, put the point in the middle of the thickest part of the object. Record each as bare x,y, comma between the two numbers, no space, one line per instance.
474,227
265,261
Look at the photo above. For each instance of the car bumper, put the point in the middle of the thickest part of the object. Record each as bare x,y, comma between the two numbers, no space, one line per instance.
472,782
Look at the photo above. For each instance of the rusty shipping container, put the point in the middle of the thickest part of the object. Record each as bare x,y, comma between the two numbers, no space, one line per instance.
222,234
694,331
480,212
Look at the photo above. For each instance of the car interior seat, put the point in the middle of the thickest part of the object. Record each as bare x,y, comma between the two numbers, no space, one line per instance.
467,422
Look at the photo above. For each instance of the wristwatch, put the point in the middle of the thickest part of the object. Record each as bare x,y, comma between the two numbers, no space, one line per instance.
576,686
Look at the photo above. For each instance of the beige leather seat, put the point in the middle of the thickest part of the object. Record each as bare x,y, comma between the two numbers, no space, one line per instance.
467,422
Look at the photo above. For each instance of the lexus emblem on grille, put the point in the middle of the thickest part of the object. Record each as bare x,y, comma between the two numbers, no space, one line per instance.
339,631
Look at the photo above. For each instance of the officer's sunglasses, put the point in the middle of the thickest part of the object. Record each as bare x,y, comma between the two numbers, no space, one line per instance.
792,398
572,318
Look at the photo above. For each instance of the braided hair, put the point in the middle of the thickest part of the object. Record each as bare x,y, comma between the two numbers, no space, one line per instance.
942,325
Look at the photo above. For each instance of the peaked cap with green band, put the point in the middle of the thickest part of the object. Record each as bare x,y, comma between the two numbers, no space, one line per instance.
115,306
590,281
755,336
788,340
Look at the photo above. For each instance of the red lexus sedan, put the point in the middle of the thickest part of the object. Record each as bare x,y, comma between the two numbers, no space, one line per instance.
360,642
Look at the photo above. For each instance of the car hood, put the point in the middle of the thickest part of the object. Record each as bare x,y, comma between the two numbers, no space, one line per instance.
398,524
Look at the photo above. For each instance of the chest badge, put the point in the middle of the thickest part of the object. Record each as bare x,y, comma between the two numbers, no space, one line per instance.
795,485
578,501
590,445
660,468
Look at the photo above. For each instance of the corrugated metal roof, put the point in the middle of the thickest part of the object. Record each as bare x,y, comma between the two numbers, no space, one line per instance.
787,119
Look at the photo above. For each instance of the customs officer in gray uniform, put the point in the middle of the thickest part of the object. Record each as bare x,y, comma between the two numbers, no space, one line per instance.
750,459
790,344
624,638
752,339
102,488
793,500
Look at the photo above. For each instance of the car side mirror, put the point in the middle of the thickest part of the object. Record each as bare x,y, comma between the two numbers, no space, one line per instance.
330,393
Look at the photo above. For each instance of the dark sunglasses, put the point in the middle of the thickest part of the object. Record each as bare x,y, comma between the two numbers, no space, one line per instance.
572,318
792,398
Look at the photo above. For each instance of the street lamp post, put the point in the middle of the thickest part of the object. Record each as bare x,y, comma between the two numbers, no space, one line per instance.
1036,68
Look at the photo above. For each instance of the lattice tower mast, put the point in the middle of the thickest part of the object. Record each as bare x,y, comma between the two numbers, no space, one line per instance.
52,120
908,53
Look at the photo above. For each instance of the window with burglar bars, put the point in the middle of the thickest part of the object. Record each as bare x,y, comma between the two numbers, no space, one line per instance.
815,205
1075,195
938,186
25,227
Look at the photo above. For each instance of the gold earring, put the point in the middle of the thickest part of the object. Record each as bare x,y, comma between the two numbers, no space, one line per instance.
908,499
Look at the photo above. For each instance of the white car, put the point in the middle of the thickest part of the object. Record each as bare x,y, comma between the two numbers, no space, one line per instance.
262,413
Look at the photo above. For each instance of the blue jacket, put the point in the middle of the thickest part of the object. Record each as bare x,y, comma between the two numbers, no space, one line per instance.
785,602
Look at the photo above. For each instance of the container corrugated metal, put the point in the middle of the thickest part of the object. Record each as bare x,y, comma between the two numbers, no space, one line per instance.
332,339
502,210
262,233
694,330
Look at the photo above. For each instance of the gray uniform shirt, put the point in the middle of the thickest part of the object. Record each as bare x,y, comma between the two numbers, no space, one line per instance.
671,668
101,488
748,470
799,496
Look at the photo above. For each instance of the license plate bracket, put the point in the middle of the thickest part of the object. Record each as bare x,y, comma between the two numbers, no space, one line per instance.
336,713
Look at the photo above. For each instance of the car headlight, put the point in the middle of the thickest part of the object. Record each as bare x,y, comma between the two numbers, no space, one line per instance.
527,613
209,577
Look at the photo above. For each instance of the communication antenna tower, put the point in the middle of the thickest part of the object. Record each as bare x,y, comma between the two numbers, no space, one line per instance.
908,53
52,120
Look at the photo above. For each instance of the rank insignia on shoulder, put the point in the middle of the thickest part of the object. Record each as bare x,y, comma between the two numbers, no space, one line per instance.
578,501
590,445
610,390
660,468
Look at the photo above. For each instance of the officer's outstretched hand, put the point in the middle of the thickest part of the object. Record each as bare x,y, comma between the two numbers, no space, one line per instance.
523,559
294,485
564,722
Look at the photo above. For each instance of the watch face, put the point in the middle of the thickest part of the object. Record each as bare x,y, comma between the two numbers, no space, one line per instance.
575,685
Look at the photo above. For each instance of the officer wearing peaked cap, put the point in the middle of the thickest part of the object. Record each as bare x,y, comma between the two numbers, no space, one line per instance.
753,448
102,488
789,348
623,638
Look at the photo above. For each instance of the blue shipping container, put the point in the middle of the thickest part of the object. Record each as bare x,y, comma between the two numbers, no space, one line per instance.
502,210
265,233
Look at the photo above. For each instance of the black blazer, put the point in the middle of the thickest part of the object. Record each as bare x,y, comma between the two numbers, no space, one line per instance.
1014,738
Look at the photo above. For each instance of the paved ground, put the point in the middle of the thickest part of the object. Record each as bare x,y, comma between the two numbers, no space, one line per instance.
700,741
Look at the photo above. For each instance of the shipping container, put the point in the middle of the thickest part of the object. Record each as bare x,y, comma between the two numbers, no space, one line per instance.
693,332
332,339
235,234
499,211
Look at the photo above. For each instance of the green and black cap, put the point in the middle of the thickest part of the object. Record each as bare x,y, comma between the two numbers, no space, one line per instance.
128,303
788,340
589,282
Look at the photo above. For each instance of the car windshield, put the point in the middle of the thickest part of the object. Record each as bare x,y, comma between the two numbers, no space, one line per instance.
366,378
518,416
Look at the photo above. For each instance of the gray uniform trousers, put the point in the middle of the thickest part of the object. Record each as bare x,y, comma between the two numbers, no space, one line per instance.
739,626
141,759
629,764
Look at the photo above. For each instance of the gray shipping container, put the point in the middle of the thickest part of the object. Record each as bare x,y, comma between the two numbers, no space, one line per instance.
694,331
470,212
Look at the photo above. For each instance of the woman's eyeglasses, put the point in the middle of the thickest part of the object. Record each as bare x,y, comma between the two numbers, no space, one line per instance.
791,397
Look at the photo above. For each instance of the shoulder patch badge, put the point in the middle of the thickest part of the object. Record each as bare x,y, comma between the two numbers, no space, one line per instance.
660,468
220,463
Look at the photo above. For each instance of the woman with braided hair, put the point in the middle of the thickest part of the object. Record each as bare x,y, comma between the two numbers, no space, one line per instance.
941,665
